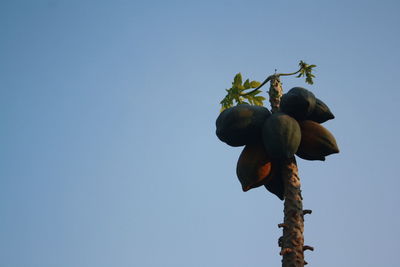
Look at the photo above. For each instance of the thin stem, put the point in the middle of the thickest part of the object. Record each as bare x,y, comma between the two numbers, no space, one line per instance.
288,74
269,78
261,85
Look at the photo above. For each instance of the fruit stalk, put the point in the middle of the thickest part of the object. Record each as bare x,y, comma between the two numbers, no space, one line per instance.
292,241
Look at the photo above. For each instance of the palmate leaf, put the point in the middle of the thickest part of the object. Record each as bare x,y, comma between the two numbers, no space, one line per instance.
227,102
306,70
236,95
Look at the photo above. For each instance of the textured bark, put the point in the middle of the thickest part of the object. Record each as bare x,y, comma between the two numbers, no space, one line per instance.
292,241
275,93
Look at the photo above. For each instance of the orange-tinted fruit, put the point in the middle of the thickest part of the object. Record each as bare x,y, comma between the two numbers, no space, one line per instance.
253,166
274,181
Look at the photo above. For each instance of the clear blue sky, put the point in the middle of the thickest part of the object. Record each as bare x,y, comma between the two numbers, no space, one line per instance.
108,153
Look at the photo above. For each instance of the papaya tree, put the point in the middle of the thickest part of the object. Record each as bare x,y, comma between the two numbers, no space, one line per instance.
272,139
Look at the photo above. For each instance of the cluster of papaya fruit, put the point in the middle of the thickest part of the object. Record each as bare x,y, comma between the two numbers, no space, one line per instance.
269,139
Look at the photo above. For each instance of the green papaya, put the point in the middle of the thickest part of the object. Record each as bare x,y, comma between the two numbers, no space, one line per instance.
281,135
298,103
241,125
253,166
321,112
316,141
274,182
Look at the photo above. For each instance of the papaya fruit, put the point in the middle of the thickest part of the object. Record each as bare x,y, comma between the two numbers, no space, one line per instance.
274,182
321,112
281,135
316,141
241,125
253,166
298,103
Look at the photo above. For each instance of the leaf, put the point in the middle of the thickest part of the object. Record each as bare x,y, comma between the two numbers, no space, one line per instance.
237,80
309,80
235,93
255,84
306,70
234,90
258,100
240,87
254,99
247,84
223,108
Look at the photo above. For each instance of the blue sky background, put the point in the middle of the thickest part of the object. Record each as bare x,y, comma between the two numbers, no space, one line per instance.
108,153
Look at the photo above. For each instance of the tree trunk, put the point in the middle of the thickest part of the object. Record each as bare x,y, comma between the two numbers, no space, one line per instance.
293,224
292,241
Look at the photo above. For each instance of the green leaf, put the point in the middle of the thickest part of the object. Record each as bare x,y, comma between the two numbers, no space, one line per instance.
240,87
236,96
256,92
247,84
254,99
309,80
306,70
237,80
234,90
258,100
223,108
255,84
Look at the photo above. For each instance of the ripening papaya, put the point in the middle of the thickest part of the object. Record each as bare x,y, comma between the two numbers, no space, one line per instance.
281,135
298,103
274,182
241,125
321,112
316,141
253,166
